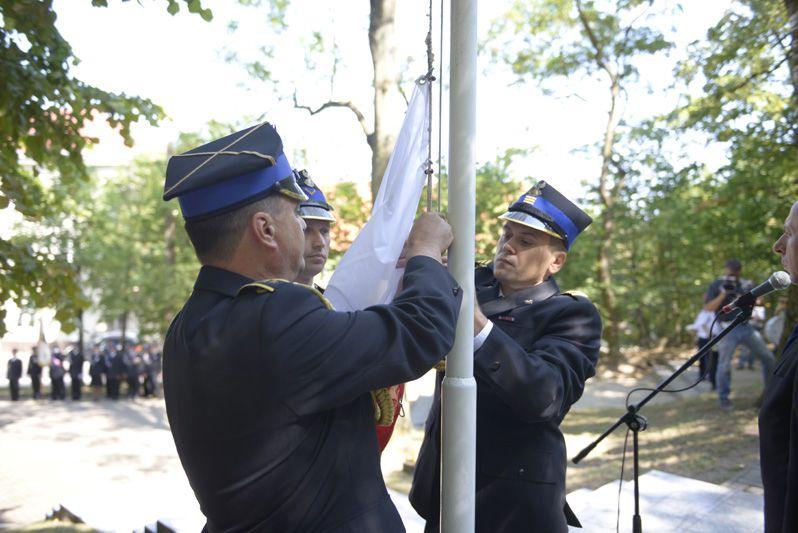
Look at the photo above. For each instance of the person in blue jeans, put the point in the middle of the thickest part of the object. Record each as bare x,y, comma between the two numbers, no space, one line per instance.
723,291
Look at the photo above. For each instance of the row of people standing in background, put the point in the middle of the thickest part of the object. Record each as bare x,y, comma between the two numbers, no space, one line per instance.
109,367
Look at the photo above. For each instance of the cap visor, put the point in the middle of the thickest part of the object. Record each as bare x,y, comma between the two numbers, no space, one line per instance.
529,221
313,212
290,188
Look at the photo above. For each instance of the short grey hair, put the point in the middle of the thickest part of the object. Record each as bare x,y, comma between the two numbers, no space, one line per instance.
215,239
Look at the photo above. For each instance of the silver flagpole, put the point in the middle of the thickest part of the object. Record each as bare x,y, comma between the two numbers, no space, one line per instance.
459,400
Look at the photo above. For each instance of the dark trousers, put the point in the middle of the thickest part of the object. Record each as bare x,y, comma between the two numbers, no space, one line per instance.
36,383
707,365
132,386
58,391
112,387
13,384
149,386
77,388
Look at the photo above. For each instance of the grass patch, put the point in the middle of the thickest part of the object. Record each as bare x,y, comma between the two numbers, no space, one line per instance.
686,437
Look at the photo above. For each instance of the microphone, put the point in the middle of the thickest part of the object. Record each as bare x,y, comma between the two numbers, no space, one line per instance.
777,281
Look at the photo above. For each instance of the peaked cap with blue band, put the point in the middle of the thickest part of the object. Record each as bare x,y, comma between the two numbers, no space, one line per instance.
316,206
543,208
230,172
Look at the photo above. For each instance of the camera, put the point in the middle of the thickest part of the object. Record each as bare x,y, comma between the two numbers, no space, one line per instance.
729,284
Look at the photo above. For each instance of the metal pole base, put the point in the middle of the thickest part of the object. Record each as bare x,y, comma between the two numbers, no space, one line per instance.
459,424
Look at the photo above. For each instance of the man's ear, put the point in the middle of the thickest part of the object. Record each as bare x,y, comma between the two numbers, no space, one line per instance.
557,262
263,229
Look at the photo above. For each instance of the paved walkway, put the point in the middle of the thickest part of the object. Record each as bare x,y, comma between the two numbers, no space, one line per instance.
602,392
84,452
112,463
106,456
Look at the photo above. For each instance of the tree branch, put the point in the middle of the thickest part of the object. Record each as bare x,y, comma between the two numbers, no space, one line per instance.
629,30
780,41
402,92
631,24
621,177
756,75
599,55
335,103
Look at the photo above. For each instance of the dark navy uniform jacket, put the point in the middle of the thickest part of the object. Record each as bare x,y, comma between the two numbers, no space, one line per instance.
76,364
14,371
530,370
778,442
267,394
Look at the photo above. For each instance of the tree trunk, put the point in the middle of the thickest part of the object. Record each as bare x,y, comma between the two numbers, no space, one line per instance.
123,329
80,317
608,196
388,101
792,13
80,332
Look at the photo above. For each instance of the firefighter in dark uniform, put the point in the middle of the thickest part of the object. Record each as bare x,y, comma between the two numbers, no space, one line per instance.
57,387
318,217
76,372
14,373
535,347
132,371
267,388
35,373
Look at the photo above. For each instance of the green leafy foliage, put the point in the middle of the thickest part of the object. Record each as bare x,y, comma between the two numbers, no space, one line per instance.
749,100
43,111
544,39
550,41
136,259
675,221
351,213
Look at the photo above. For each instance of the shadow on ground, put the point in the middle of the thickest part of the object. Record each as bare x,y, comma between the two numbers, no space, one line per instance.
688,437
52,527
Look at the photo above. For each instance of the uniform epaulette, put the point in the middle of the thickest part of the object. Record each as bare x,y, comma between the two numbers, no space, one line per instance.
258,287
575,294
318,293
261,287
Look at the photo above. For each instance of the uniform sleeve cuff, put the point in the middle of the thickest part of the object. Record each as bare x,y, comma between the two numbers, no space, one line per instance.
482,336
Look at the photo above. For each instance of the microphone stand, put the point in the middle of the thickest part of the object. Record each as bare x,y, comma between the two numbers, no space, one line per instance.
637,423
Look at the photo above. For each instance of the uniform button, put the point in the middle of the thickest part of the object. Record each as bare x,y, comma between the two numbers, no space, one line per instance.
521,472
456,290
495,365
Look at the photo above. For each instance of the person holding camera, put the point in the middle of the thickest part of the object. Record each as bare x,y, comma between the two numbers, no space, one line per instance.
721,292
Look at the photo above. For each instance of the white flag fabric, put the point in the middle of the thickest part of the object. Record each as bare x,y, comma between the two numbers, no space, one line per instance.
42,348
367,274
